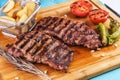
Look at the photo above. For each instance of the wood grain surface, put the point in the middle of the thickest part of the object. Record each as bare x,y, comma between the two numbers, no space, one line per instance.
85,64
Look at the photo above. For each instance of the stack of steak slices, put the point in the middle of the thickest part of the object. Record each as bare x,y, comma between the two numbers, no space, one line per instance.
72,33
41,48
46,43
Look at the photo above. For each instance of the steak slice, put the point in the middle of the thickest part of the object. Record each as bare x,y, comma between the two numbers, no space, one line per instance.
40,47
72,33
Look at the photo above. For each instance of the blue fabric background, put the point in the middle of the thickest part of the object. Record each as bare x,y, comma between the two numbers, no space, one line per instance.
2,2
112,75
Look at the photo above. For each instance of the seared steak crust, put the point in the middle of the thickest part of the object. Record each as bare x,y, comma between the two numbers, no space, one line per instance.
41,48
72,33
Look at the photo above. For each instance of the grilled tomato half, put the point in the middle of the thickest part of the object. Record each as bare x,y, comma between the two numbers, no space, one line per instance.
81,8
98,15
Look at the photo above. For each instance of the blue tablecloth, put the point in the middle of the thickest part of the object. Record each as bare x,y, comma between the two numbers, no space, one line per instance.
2,2
112,75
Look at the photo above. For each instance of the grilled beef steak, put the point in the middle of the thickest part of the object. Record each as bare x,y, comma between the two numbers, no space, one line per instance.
42,46
72,33
39,47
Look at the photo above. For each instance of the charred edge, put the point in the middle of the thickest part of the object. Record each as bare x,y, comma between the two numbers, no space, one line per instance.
68,28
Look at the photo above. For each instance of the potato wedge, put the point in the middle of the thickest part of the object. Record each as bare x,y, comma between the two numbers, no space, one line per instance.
17,19
22,12
31,7
7,18
23,18
17,4
17,13
12,13
30,12
9,6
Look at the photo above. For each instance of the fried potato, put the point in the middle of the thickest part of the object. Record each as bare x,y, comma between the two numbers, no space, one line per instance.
17,4
9,6
23,18
17,13
22,12
29,12
7,18
13,12
17,19
31,7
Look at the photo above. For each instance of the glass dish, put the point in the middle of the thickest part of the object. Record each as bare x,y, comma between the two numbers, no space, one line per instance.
19,27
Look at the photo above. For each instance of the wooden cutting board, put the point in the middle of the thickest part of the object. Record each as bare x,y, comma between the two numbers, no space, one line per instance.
85,64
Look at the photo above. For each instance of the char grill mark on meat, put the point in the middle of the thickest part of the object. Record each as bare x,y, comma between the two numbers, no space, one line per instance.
72,33
40,47
63,25
45,20
55,24
58,25
66,29
49,22
69,35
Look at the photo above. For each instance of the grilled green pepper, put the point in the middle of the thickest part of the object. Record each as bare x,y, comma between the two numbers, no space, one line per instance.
114,25
111,36
103,31
114,36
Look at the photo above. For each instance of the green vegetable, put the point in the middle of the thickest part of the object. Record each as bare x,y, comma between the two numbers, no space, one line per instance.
114,25
110,40
103,31
111,36
115,34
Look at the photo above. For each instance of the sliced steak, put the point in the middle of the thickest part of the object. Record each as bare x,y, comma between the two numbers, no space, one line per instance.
72,33
40,47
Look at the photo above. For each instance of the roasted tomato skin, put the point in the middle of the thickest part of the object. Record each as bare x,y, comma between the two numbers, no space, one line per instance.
98,15
80,8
